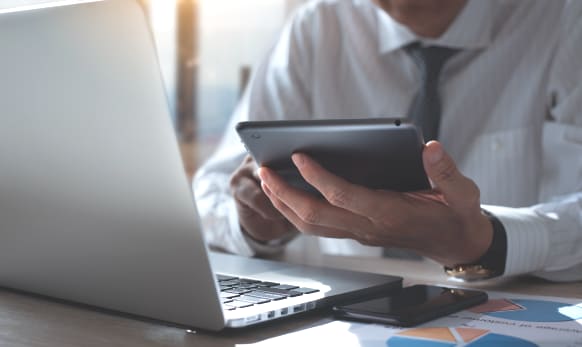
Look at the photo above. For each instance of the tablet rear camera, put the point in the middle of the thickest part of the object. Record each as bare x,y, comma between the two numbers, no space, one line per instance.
397,122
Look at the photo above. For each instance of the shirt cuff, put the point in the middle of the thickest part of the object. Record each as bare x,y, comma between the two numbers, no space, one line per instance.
250,247
272,247
527,239
239,241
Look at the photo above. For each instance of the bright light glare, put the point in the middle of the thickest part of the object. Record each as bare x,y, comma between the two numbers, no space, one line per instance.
163,15
7,6
573,312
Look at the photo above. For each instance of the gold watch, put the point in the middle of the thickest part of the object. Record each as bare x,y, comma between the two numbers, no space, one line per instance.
491,264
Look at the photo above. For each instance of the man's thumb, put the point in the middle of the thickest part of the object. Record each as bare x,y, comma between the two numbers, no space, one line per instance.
457,189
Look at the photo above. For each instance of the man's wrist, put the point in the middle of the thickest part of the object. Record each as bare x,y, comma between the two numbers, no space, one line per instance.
491,263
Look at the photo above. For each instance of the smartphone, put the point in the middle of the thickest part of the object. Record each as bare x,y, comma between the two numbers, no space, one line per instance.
378,153
412,305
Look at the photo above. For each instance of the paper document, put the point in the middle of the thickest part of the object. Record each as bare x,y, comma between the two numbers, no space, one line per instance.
505,320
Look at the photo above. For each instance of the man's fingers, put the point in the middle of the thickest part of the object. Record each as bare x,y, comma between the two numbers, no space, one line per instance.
249,194
312,211
300,224
336,190
458,190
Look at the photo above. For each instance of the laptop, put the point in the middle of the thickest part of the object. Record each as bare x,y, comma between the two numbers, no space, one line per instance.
95,207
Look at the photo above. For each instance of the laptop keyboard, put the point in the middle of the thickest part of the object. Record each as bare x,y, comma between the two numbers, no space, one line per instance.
238,292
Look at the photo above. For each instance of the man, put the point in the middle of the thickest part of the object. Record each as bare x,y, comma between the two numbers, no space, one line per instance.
508,107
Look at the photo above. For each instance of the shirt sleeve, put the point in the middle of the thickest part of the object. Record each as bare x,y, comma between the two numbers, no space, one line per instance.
279,89
546,239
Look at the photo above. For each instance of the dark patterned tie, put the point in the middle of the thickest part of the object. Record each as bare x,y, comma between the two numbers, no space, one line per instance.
425,110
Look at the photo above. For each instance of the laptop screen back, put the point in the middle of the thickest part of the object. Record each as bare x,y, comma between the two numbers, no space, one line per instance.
94,204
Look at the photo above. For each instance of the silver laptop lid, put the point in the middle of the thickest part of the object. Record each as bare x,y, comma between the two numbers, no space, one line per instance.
94,204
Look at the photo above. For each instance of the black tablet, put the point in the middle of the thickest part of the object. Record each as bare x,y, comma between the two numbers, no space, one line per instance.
379,153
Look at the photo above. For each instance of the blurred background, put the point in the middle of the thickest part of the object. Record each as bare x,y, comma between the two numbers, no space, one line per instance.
207,51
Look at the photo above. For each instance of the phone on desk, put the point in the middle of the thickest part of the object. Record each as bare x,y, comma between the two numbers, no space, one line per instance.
379,153
411,305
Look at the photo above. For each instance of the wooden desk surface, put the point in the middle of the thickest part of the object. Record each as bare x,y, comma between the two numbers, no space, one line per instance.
34,321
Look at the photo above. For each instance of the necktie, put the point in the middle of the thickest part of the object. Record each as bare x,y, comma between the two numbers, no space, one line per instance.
425,110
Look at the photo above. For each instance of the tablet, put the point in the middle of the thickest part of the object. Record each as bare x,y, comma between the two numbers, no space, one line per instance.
378,153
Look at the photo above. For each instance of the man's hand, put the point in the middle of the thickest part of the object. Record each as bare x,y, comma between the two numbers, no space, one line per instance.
257,216
445,223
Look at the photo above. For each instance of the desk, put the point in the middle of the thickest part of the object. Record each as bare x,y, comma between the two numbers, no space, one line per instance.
33,321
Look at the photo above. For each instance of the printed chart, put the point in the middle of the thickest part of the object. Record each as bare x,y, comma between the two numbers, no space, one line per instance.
506,320
450,337
527,310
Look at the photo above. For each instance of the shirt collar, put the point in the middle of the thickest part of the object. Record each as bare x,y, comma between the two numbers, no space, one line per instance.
472,29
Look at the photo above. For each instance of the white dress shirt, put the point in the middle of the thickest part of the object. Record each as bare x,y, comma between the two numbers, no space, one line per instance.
511,117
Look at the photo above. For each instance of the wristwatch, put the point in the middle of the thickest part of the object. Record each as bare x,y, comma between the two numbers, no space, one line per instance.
491,264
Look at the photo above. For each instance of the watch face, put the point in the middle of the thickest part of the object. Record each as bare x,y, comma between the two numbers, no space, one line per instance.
470,273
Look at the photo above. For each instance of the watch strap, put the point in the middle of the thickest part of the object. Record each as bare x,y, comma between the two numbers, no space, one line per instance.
492,263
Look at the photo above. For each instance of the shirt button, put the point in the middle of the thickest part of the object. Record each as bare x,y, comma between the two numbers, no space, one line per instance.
496,145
